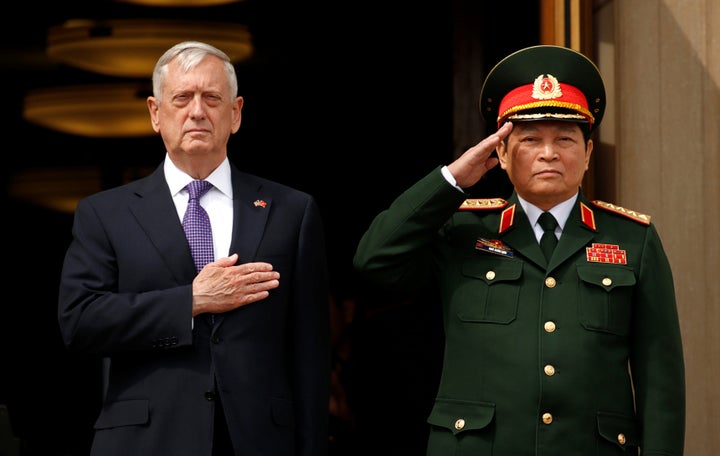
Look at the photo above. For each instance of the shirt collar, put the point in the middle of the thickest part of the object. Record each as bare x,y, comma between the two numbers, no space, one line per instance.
561,212
178,179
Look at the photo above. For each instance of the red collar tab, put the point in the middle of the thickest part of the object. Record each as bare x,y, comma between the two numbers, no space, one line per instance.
507,218
587,216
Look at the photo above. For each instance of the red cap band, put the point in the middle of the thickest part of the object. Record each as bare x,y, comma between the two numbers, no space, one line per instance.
545,92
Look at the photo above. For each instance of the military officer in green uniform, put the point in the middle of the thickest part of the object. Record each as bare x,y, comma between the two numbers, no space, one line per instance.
576,352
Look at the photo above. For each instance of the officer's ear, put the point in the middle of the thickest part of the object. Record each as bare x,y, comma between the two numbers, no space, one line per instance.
588,153
502,151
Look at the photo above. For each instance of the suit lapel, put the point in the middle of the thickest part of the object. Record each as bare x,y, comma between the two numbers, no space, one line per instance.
155,212
521,237
251,211
577,234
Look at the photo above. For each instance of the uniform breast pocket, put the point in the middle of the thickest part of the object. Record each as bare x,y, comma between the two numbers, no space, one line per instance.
605,298
489,291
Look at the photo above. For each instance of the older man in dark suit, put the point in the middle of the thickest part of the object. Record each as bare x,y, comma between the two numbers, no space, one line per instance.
232,358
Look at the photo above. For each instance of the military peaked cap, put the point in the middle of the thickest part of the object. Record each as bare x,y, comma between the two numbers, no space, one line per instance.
541,83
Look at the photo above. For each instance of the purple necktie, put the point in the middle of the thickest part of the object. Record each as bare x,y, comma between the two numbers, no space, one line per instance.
197,225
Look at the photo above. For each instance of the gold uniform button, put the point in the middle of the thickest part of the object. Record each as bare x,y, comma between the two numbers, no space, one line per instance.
547,418
459,424
621,439
490,275
550,282
549,326
549,370
607,281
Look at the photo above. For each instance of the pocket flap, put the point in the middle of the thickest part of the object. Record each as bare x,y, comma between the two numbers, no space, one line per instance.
493,270
458,416
619,429
606,277
282,410
123,413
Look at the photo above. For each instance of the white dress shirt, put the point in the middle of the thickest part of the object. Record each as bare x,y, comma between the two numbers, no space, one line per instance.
217,202
561,212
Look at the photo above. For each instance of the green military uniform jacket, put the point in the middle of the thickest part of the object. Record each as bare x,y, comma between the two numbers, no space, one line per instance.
578,357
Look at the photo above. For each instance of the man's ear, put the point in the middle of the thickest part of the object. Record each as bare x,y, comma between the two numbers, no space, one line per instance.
237,113
588,153
153,109
501,150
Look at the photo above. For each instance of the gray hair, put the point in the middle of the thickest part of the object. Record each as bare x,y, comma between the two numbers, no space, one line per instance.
189,55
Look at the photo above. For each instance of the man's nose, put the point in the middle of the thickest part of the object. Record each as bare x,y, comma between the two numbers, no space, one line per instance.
548,152
197,109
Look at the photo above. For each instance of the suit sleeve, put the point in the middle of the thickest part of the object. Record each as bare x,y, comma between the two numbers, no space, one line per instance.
657,364
311,340
396,250
96,314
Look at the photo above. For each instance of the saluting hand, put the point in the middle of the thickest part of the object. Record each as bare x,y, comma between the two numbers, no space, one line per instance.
222,286
468,168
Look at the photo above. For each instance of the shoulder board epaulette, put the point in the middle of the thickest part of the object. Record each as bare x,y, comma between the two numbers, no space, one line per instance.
481,204
632,215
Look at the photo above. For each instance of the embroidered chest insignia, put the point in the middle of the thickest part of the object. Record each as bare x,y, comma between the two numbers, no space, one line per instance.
494,246
606,253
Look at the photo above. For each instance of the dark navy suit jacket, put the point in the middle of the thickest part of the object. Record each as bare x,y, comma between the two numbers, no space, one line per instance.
126,295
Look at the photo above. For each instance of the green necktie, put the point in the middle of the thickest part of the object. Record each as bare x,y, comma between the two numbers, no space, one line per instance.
548,241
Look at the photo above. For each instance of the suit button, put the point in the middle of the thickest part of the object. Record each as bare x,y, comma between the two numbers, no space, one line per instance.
550,282
621,439
549,370
607,281
209,396
549,326
459,424
547,418
215,340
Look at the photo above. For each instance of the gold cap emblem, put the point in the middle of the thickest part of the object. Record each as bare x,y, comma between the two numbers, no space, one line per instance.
546,88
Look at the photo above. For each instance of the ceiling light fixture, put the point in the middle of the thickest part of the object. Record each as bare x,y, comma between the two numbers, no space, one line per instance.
130,47
113,110
60,188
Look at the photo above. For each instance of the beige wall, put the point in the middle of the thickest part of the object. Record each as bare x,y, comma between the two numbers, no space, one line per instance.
661,61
